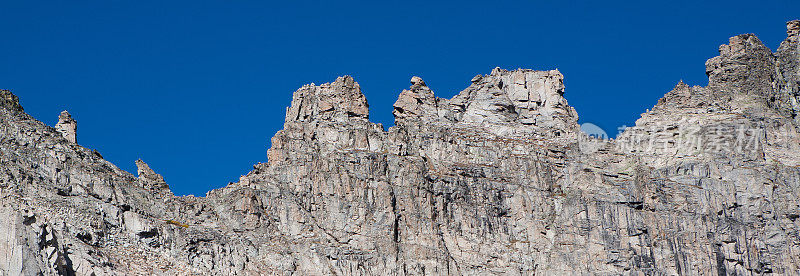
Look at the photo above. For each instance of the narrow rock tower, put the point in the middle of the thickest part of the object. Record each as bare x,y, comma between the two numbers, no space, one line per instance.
793,31
67,126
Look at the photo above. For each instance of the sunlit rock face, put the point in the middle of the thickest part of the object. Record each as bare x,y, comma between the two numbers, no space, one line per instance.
498,179
67,126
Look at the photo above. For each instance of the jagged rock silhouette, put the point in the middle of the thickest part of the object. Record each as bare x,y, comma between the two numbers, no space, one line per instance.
492,181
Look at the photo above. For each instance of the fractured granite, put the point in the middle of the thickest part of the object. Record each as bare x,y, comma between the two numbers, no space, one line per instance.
495,180
67,126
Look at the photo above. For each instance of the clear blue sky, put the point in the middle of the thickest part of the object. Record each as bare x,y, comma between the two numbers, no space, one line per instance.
197,88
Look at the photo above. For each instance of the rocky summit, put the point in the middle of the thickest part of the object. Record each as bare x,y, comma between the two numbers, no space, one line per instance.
498,180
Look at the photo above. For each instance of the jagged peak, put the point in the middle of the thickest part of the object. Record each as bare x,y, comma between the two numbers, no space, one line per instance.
338,100
524,96
521,96
9,101
681,95
498,71
743,78
67,126
65,117
744,54
415,103
741,44
681,85
682,89
148,177
417,81
793,31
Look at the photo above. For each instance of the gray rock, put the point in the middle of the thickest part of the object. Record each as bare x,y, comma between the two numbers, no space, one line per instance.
9,101
495,180
149,178
793,31
67,126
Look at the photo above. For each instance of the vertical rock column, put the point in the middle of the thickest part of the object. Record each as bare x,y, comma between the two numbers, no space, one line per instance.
793,31
67,126
788,61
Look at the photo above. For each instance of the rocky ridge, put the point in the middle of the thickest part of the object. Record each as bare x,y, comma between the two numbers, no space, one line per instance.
496,180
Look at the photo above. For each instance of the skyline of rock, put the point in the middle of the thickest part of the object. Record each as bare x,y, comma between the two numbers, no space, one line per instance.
498,179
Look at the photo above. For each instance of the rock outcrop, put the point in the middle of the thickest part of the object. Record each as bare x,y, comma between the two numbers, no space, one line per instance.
496,180
149,178
9,101
67,126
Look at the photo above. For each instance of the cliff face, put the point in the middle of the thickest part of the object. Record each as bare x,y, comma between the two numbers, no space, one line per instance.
497,180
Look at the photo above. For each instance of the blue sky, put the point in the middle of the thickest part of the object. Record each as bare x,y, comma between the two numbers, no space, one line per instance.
197,88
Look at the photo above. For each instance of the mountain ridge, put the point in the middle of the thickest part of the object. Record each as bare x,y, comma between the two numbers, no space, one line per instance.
497,179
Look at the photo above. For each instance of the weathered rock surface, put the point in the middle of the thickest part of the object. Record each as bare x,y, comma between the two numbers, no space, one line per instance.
495,180
150,178
67,126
